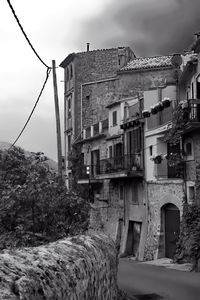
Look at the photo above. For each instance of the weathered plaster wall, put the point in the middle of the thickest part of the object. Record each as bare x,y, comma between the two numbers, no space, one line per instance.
81,267
159,194
132,82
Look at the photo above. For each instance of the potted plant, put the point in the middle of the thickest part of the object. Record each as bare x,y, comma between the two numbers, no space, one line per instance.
146,113
154,110
159,106
157,159
166,102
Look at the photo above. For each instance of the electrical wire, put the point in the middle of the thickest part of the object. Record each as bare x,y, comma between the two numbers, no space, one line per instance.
41,91
25,35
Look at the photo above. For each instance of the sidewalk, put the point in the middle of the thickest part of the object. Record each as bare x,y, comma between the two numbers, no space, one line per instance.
168,263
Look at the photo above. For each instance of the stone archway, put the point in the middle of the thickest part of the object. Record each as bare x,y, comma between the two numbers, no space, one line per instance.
170,228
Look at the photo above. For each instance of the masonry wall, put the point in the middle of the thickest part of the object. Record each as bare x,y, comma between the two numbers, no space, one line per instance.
159,194
94,66
100,94
132,82
81,267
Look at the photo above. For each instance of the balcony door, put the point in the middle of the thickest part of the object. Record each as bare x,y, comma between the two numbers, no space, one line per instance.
95,162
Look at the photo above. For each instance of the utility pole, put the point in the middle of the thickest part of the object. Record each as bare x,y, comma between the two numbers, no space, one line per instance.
57,114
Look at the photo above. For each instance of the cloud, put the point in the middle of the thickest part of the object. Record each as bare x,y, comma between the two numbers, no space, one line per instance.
149,26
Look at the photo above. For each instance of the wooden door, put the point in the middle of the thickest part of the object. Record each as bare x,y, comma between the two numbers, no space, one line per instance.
172,229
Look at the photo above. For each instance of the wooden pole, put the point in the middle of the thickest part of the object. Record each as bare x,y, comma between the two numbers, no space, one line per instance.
57,114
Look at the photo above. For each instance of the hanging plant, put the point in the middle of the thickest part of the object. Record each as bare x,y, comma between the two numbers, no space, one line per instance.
166,102
146,113
157,159
174,159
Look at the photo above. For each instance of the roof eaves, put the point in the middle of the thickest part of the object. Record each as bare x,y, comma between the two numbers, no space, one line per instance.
128,70
67,60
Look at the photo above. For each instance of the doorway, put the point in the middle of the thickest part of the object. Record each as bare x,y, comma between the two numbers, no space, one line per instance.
171,215
133,238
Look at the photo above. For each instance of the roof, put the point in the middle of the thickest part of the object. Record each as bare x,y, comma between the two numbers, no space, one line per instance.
71,56
145,63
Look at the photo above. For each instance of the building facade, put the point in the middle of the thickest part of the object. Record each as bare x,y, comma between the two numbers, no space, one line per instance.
119,109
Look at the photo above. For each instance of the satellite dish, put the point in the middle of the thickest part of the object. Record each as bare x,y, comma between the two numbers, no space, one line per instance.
176,60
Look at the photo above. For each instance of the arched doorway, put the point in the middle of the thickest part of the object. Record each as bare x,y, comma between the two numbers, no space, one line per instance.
171,221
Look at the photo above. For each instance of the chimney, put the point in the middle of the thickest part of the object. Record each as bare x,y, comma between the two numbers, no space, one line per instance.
88,47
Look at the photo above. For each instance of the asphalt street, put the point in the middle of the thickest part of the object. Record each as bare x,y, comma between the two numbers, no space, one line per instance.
150,282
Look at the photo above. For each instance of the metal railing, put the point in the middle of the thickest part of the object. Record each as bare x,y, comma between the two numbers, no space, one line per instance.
129,162
194,110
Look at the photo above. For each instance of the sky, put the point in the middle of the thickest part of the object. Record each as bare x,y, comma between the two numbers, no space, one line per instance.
57,28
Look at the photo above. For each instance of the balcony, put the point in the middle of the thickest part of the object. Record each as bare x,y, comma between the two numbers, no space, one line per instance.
130,165
96,130
192,114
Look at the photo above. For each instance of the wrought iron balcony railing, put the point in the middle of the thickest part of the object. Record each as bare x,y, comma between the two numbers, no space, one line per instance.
126,163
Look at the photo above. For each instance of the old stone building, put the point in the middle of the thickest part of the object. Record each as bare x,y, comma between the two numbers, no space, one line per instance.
119,109
90,83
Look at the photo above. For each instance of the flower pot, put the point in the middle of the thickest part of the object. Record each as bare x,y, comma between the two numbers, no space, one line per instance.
154,110
160,106
166,102
158,159
146,114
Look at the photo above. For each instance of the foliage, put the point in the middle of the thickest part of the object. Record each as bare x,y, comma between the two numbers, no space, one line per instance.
78,171
34,205
179,119
188,246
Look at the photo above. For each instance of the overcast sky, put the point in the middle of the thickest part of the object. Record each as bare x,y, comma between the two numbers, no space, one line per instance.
57,28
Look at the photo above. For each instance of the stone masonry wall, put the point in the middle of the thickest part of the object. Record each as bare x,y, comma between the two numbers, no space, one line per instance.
80,267
160,194
100,94
93,66
132,82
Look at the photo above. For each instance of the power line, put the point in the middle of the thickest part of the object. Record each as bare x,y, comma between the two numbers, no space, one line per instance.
25,35
47,76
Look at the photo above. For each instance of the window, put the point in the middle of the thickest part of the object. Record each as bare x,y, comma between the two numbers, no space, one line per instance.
188,148
134,141
110,152
69,142
114,118
134,189
69,106
191,193
192,95
150,150
121,192
87,97
67,75
198,87
71,72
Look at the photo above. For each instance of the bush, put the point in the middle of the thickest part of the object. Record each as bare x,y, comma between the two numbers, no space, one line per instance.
188,247
35,207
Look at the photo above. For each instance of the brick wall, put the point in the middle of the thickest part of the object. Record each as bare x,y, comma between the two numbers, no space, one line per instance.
81,267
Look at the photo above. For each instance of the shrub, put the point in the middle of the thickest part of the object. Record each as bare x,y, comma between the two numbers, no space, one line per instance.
34,205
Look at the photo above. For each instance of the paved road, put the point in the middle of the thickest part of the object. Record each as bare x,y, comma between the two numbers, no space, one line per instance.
153,282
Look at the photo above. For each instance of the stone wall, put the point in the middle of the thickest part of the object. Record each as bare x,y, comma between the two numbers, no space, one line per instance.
159,194
81,267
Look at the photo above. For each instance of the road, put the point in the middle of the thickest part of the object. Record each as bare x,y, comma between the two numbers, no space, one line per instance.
154,283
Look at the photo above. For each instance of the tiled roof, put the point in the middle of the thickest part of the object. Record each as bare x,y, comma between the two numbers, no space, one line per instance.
141,63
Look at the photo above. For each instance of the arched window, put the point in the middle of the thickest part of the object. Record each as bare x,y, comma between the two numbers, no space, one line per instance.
188,148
